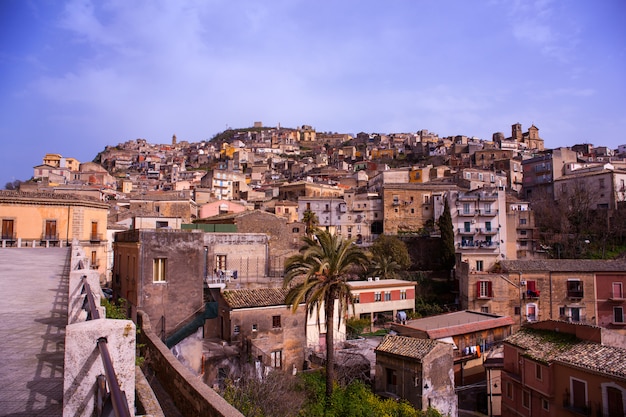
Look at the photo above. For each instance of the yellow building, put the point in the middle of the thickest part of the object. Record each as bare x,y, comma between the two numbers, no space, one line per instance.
45,219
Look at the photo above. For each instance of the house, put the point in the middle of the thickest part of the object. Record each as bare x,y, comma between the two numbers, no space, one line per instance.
49,219
163,271
576,290
416,370
166,204
264,328
214,208
555,368
384,297
469,332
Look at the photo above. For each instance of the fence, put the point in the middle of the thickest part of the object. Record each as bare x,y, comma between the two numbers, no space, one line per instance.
247,270
92,386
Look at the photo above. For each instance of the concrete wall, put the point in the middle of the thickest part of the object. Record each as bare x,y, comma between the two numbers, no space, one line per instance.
190,395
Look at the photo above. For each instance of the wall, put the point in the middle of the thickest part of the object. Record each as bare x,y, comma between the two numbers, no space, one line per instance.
191,396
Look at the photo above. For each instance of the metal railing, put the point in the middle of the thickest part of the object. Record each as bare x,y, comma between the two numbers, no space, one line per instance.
113,398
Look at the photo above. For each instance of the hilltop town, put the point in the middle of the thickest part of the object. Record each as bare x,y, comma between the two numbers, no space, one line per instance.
539,243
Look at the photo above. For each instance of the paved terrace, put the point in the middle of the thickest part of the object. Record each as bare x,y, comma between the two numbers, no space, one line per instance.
33,315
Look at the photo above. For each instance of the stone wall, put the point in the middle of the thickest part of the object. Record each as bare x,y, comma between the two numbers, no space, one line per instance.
190,395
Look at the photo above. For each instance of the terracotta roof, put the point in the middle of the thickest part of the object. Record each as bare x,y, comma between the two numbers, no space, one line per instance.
383,283
458,323
549,346
564,265
406,346
259,297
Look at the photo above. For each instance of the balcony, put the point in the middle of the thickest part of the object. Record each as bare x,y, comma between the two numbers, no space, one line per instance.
575,294
488,213
50,237
470,213
464,231
95,238
488,231
531,294
479,244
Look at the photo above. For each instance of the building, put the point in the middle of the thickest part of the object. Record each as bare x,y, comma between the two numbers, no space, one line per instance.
540,172
264,328
574,290
416,370
384,297
600,186
469,332
561,369
480,229
163,271
50,219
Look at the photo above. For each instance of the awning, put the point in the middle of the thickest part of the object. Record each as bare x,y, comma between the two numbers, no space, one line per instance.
448,340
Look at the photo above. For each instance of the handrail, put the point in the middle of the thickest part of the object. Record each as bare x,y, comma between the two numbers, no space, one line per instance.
118,399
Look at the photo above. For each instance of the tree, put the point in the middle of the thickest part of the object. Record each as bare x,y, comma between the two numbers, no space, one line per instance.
391,249
446,229
311,221
317,276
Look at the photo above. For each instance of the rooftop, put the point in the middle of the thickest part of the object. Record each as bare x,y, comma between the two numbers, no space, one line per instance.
457,323
406,346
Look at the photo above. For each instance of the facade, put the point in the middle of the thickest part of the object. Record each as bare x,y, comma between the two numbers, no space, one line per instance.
541,171
163,272
604,186
560,369
480,229
45,219
166,204
386,297
416,370
523,236
409,208
215,208
264,328
550,289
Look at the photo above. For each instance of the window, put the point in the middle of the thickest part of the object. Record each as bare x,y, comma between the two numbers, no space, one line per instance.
50,230
466,208
7,229
545,404
276,322
538,371
94,259
488,226
236,330
377,296
601,182
574,288
403,294
396,200
578,397
255,327
479,265
220,262
617,290
277,359
618,314
523,232
159,270
392,380
466,227
526,399
531,312
161,225
483,289
517,310
356,298
509,390
295,230
484,309
522,221
387,296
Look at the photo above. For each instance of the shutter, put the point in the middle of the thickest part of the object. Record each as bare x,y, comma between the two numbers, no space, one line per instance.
530,286
489,291
477,289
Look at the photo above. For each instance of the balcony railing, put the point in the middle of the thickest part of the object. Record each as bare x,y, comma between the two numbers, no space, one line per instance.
52,237
467,213
95,238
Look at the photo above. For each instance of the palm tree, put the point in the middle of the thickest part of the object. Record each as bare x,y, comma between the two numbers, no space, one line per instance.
317,276
384,266
309,218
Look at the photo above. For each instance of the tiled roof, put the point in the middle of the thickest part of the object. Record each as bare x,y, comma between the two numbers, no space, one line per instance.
564,265
406,346
549,346
259,297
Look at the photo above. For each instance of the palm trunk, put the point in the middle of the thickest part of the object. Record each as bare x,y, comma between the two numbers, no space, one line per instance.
330,349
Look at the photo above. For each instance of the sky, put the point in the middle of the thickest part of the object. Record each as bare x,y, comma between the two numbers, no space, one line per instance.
78,75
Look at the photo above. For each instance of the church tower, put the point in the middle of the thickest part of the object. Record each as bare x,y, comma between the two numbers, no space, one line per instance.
174,140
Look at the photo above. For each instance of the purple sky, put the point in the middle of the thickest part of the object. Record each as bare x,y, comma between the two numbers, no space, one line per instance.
80,75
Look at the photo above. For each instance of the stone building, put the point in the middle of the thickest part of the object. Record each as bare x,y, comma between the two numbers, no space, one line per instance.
163,272
416,370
